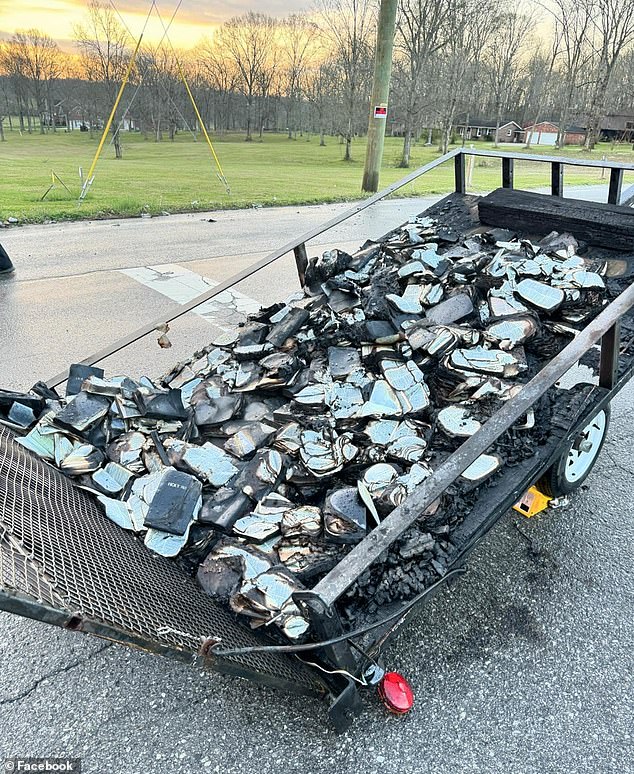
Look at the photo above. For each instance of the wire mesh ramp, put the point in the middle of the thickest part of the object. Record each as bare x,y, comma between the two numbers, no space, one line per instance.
62,561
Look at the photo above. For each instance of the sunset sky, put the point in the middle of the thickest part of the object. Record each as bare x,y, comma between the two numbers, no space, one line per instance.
194,19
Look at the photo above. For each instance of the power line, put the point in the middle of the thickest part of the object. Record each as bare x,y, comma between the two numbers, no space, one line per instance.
147,69
89,180
154,6
221,174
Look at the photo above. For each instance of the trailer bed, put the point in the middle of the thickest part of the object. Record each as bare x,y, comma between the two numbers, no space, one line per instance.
62,562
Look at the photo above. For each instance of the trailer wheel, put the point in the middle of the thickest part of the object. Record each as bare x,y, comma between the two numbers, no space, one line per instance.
578,458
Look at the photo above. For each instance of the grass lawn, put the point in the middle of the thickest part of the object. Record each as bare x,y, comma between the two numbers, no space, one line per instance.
180,176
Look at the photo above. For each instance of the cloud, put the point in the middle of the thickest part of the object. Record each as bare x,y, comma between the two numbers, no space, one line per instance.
216,12
194,19
28,8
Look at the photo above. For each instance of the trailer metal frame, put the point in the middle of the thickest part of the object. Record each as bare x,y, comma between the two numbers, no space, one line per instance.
319,604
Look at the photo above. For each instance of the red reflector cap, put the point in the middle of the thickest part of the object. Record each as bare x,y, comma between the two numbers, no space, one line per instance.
396,693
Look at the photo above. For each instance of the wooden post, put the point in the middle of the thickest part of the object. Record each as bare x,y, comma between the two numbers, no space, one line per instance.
380,94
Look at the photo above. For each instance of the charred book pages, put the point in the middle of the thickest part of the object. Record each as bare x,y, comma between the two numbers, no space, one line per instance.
258,465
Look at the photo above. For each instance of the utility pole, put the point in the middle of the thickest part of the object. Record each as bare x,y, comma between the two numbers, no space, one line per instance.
380,94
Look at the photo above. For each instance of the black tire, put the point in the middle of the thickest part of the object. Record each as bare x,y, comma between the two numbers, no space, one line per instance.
562,478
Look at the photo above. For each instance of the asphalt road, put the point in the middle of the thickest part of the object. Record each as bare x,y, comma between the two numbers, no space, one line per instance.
525,665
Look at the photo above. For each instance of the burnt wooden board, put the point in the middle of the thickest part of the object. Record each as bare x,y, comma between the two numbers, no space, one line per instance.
601,225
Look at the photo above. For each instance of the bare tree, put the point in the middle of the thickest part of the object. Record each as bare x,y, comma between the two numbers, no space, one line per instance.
459,63
5,110
572,22
544,68
33,62
348,26
13,65
162,92
481,29
502,57
613,22
299,44
104,54
150,102
268,85
248,41
319,89
37,59
220,75
421,31
621,91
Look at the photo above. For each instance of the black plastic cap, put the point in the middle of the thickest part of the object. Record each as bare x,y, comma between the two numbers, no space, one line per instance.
6,267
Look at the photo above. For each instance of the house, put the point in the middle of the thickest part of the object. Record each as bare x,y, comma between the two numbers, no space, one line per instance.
542,133
546,133
575,135
485,129
617,127
77,121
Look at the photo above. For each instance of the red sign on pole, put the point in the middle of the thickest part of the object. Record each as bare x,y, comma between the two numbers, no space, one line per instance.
380,111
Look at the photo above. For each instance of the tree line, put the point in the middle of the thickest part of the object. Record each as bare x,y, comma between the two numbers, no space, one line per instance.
557,60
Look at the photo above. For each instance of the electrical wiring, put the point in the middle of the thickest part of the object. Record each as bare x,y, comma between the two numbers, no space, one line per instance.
308,646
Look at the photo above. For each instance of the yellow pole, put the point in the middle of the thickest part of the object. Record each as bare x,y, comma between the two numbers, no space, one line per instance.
111,118
199,117
221,174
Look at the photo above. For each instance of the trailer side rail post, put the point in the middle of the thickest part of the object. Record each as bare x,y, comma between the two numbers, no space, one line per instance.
609,362
326,624
507,172
460,178
616,183
301,261
557,179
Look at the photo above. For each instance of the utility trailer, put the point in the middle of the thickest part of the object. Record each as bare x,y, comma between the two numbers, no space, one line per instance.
63,563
